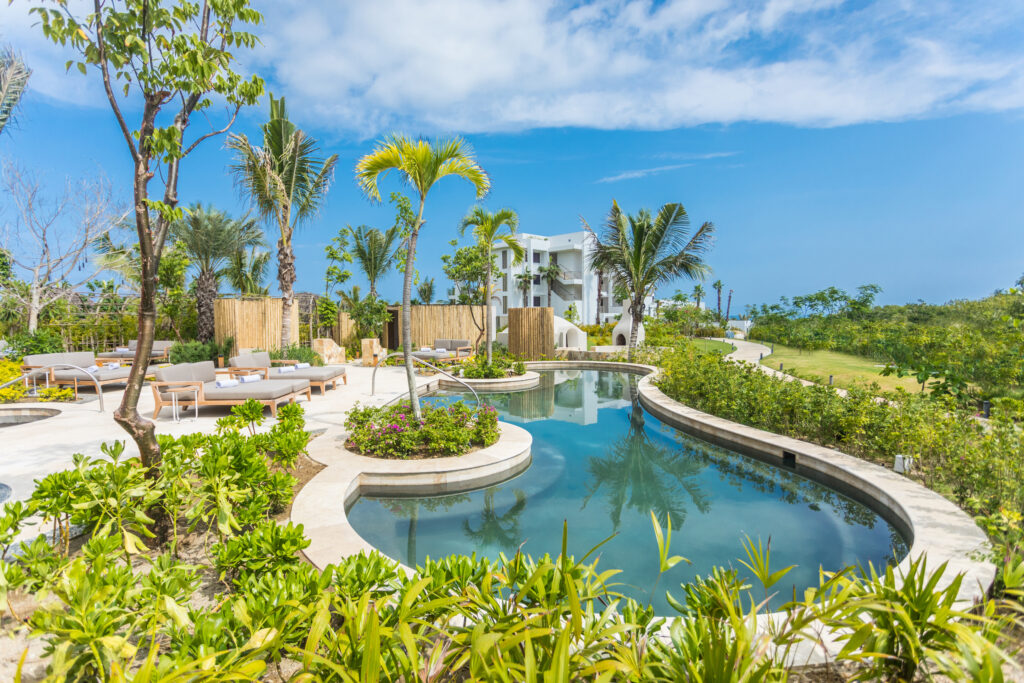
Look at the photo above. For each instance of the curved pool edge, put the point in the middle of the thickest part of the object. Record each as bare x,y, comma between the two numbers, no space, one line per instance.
321,505
522,382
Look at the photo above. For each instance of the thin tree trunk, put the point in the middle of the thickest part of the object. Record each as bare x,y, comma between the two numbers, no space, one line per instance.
719,304
410,542
728,306
549,293
487,303
206,292
286,280
33,310
410,259
636,312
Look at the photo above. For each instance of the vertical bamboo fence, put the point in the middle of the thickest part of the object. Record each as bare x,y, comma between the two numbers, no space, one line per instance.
531,332
435,321
252,323
345,328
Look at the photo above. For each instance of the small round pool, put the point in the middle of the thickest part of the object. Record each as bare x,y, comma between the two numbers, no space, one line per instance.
10,417
602,464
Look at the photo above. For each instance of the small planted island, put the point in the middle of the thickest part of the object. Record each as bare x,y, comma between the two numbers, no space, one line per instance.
444,430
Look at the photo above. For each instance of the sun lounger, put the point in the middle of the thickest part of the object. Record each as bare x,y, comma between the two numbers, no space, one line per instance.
40,369
159,351
261,362
446,349
201,378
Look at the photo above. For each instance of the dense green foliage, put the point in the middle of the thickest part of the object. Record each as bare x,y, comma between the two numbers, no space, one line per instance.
196,351
979,466
443,430
303,354
502,364
970,347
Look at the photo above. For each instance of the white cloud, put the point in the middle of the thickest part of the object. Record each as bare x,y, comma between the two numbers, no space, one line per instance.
641,173
498,65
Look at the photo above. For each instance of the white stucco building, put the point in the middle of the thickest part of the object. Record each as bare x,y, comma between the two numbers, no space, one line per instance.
578,285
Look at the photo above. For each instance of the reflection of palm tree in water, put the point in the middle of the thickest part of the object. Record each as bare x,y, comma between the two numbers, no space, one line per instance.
638,474
410,509
496,530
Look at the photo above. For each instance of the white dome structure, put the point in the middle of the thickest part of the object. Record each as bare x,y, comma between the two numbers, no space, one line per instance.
623,328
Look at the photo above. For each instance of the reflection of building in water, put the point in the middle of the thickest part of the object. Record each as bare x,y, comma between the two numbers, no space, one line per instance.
569,396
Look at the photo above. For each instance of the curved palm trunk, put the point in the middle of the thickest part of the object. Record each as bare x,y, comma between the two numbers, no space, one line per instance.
549,293
728,306
636,314
410,258
719,305
286,280
206,293
487,311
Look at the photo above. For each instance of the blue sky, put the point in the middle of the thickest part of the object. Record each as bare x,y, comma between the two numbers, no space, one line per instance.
830,142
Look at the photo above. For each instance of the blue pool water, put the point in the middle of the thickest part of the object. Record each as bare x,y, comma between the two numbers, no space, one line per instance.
602,464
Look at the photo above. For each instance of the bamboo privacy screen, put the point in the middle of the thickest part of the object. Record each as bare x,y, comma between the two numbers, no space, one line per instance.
345,328
531,332
252,323
435,322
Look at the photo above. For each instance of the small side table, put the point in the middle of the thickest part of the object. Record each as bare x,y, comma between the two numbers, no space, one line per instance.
174,391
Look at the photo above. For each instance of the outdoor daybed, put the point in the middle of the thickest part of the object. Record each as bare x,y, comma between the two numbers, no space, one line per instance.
196,383
159,351
261,362
445,349
40,369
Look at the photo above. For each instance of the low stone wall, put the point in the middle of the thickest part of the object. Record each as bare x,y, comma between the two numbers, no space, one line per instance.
528,380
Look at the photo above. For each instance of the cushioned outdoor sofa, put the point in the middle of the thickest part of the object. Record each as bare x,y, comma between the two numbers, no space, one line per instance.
159,351
445,349
196,384
41,368
261,362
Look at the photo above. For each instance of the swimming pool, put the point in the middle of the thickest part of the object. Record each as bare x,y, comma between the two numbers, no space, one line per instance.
601,464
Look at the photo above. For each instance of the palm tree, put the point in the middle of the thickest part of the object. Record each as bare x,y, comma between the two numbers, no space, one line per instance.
717,286
210,238
421,164
642,252
496,530
14,77
550,274
425,290
524,281
246,272
600,287
488,228
375,252
287,180
728,306
698,294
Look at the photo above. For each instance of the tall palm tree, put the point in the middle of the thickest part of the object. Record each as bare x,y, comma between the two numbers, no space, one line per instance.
246,272
698,294
644,251
600,288
524,281
728,306
210,238
717,286
375,252
492,229
425,290
550,274
14,77
287,181
421,164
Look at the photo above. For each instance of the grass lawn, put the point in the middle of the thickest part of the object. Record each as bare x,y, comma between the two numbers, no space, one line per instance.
709,345
818,365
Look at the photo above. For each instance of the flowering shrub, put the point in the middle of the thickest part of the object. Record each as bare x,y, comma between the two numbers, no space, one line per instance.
392,431
16,392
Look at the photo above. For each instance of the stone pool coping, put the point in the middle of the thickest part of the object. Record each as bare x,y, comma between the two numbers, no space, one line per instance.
518,383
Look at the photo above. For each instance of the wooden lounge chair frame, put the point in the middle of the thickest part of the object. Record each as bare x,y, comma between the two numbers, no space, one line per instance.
75,382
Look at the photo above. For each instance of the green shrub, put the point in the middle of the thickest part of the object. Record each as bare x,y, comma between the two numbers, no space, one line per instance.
267,548
303,354
391,431
41,341
502,365
197,351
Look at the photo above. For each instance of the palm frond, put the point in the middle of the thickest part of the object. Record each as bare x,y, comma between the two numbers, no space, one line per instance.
14,76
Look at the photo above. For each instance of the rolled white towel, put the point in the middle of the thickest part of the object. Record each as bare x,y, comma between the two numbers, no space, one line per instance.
287,368
225,383
110,366
246,379
93,368
301,365
122,349
425,348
